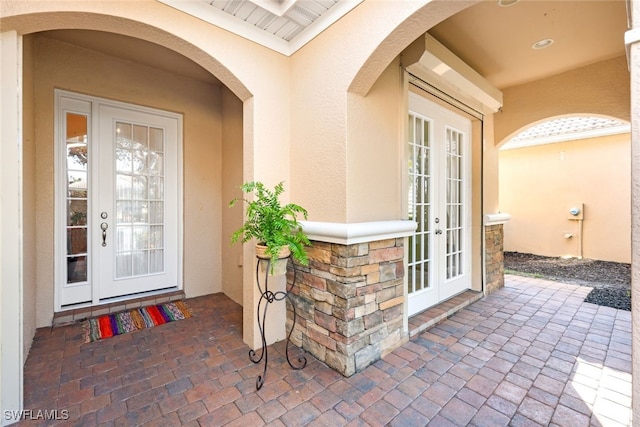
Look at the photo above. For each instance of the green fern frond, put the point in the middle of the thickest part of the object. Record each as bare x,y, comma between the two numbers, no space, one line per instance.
270,223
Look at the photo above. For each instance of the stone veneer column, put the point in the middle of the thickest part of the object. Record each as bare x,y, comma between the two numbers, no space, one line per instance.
494,251
350,301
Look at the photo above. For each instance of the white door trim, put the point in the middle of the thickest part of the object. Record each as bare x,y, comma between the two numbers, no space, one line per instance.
61,188
11,228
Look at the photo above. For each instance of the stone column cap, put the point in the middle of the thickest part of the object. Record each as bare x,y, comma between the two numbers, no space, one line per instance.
496,218
357,232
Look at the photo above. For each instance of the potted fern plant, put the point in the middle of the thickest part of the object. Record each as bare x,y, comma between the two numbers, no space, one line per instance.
274,227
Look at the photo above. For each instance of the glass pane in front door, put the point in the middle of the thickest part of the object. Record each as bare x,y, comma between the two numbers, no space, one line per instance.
139,200
77,197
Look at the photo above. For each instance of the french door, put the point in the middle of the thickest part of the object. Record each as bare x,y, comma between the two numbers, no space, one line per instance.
117,200
439,200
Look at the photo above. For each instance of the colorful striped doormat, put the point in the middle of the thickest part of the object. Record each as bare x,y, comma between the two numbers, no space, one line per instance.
109,325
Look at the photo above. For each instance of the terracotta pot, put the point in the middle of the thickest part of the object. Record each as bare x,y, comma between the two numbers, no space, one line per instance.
280,266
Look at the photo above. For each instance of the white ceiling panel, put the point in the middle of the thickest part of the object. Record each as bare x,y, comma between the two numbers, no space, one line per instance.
282,25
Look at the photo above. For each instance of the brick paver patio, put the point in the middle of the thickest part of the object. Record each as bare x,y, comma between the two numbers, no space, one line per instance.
530,354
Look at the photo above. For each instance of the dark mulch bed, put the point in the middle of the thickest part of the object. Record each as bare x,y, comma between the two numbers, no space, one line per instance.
611,281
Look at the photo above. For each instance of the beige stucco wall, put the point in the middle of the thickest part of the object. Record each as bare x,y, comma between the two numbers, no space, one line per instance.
294,109
60,65
490,166
29,198
232,174
597,89
339,118
538,186
375,149
232,59
352,134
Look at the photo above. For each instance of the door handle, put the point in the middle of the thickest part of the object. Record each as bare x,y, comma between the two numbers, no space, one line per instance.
104,227
438,231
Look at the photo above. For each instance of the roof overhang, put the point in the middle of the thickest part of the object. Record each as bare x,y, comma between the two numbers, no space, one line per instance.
280,25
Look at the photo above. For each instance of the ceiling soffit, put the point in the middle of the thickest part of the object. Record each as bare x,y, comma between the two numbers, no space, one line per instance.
281,25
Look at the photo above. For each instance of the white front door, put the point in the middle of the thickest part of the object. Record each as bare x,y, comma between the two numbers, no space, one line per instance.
118,207
439,195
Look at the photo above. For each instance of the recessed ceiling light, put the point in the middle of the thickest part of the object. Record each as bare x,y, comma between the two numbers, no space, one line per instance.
505,3
541,44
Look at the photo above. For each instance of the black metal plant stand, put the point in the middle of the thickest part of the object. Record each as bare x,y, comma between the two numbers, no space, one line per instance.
266,298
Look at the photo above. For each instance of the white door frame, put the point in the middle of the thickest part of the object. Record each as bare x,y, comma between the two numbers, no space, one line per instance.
11,228
61,187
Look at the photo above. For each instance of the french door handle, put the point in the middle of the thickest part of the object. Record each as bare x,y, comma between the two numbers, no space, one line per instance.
104,227
438,231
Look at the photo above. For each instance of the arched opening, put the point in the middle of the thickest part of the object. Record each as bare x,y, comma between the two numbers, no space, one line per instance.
477,37
218,131
124,69
566,183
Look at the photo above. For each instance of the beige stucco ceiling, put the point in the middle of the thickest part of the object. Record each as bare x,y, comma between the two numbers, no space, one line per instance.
497,41
134,50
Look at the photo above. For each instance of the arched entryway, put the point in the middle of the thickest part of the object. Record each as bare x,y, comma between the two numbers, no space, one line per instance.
81,63
566,183
133,69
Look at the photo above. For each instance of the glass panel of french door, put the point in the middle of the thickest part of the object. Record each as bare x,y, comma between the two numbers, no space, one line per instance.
420,193
454,203
455,270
